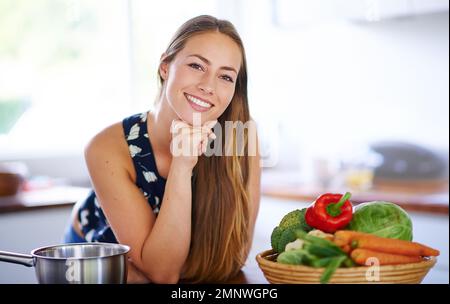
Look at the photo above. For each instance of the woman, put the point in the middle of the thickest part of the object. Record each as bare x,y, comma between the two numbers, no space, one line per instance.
186,216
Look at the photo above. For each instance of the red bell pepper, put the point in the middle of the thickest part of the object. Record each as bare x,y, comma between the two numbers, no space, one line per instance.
330,212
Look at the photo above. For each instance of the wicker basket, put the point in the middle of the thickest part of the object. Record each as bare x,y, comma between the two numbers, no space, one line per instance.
278,273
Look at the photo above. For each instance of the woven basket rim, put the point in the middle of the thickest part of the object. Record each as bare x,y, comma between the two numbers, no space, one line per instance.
265,263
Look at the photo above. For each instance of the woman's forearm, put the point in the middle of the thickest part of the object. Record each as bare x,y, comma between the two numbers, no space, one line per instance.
134,275
167,246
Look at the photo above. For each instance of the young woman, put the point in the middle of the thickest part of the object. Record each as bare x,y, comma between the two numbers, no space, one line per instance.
186,216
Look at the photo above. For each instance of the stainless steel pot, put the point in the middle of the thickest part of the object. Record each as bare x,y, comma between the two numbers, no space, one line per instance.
77,263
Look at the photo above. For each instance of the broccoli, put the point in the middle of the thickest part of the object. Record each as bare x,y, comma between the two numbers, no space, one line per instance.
288,235
275,237
290,222
295,218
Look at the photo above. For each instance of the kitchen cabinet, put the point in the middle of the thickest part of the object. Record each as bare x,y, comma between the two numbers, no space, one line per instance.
24,231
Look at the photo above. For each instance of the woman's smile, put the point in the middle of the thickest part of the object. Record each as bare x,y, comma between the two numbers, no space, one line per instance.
199,105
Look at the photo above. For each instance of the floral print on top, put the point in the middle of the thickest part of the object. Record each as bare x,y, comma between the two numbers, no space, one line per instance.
94,224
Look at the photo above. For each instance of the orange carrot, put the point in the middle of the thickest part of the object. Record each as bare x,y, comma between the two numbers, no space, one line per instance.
346,248
393,246
360,256
345,237
387,245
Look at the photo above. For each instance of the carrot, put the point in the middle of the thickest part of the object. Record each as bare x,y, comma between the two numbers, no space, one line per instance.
346,248
393,246
345,237
387,245
360,256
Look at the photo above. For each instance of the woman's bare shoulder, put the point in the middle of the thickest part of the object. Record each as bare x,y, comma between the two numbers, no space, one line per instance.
109,144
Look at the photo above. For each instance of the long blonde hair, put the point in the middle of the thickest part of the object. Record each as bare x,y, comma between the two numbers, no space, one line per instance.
220,210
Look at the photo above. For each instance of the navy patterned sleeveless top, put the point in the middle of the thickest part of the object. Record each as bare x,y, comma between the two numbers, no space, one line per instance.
94,224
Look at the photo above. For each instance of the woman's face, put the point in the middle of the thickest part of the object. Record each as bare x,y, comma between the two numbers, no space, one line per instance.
201,78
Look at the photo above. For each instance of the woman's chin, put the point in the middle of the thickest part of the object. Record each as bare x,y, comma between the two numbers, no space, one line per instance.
193,118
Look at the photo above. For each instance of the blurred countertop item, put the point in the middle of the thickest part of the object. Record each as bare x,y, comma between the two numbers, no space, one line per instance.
12,177
405,162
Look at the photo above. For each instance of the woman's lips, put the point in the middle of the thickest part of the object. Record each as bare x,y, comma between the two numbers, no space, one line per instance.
196,106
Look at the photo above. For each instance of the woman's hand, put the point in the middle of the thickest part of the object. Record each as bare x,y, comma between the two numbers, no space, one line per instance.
189,142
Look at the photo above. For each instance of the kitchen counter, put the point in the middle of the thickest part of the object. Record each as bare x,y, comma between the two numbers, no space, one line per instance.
430,229
51,197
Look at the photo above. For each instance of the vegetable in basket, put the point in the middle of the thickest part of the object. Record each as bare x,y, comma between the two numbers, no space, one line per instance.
383,219
315,252
295,218
330,212
284,232
368,241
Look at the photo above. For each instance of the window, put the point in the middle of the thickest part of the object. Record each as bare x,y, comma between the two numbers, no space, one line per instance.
68,68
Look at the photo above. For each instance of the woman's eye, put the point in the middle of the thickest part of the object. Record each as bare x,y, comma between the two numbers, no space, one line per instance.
227,78
196,66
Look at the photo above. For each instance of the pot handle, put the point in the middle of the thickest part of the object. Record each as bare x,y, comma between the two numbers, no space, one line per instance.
17,258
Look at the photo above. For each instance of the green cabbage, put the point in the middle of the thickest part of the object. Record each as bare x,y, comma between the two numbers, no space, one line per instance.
384,219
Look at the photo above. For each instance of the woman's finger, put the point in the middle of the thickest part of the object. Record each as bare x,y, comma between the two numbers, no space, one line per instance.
209,125
177,125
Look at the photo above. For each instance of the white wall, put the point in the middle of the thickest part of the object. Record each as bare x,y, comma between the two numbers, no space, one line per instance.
340,85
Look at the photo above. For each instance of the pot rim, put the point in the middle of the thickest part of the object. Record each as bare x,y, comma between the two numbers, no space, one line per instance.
34,251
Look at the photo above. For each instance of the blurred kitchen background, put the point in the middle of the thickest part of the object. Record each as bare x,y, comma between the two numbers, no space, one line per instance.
347,94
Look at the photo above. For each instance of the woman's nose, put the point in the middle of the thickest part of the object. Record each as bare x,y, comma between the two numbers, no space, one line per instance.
207,85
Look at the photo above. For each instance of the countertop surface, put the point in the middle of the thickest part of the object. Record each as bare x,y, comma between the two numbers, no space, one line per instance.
42,198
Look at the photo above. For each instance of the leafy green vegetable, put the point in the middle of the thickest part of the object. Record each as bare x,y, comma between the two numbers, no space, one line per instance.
323,251
321,263
381,218
293,257
315,240
331,268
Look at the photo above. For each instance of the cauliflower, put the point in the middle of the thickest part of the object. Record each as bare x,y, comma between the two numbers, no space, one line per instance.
321,234
297,244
